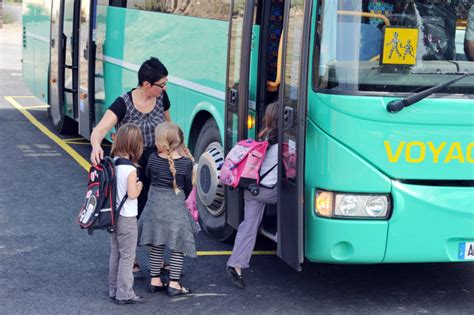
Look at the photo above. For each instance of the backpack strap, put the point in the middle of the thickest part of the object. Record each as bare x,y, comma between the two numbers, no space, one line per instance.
121,203
124,161
268,172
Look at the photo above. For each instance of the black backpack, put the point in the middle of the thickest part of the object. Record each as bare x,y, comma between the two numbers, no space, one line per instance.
99,211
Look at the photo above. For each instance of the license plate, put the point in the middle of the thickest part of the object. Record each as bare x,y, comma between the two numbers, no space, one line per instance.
466,250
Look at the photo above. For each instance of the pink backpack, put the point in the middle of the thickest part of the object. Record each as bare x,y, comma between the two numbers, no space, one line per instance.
242,165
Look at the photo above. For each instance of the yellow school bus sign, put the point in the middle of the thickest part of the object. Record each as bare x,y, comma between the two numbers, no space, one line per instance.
399,46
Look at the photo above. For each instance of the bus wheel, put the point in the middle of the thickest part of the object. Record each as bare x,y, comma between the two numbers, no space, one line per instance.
65,125
210,193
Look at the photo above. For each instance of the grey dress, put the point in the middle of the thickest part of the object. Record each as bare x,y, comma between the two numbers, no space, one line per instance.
165,219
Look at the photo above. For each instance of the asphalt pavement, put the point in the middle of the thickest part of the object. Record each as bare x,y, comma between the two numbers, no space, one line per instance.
50,266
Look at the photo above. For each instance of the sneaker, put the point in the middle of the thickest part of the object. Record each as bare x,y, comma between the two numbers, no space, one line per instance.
236,279
134,300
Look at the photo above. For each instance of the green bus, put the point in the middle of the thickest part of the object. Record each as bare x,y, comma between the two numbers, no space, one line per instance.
377,113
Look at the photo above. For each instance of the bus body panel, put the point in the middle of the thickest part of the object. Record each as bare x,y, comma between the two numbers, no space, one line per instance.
207,104
36,43
332,166
413,148
429,223
193,50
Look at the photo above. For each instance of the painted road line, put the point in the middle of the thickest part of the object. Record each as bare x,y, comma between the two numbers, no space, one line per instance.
226,253
79,159
36,107
76,156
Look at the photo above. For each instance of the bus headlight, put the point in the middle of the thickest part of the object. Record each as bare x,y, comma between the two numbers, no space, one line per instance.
355,206
376,206
347,205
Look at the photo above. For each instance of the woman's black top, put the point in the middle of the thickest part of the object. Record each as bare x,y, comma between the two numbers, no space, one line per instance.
126,112
158,170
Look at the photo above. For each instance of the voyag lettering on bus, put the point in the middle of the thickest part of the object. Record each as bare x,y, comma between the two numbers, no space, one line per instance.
418,152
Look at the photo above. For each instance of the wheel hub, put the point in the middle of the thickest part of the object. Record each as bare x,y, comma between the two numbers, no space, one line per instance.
210,191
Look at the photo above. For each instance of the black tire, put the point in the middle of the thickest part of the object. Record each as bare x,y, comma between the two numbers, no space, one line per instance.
66,126
214,224
63,124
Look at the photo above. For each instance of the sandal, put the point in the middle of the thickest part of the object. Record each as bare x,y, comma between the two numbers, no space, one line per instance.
158,288
172,292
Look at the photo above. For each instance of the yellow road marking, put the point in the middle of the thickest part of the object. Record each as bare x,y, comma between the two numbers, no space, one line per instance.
36,107
76,156
79,159
223,253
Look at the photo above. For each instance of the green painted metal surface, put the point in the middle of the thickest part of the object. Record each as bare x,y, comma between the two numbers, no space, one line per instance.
193,50
354,145
35,50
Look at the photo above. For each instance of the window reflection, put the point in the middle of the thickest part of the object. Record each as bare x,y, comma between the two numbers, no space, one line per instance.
355,39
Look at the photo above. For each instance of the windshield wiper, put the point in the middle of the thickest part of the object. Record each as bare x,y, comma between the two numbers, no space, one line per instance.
397,105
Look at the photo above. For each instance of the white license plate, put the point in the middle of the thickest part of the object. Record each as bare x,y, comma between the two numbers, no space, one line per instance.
466,250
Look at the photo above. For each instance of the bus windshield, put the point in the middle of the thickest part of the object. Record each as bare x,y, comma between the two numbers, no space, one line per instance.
394,46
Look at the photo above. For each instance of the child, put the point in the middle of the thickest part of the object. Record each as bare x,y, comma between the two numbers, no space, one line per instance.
165,220
254,206
128,145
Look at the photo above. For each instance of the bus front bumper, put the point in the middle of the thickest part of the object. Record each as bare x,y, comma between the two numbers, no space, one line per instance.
428,224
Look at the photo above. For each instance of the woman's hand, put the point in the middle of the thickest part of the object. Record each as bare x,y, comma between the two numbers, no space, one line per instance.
98,134
97,154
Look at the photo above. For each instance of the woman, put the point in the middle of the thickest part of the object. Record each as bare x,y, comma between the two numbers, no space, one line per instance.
145,106
254,206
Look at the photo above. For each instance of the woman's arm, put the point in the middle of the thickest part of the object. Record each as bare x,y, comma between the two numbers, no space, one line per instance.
167,115
134,187
98,134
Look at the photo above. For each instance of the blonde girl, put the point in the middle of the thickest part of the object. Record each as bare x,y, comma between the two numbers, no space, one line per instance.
165,221
126,150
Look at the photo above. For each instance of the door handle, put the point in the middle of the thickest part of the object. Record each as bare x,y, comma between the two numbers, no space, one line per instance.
288,117
233,97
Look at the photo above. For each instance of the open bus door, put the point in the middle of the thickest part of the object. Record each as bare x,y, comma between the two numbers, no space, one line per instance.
292,125
237,93
69,82
251,36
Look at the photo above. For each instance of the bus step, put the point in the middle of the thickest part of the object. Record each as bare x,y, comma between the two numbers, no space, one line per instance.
268,234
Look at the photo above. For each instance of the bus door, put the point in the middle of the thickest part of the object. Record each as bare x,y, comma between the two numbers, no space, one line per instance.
292,100
267,44
237,92
69,70
86,68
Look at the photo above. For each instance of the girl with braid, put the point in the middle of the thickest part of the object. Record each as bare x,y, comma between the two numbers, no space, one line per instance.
165,221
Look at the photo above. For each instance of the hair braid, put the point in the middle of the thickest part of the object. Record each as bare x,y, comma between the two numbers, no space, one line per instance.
173,172
187,153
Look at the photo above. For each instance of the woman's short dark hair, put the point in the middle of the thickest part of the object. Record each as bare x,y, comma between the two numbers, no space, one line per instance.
151,71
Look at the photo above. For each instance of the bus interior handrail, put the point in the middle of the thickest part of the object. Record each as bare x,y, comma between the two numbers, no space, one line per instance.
272,86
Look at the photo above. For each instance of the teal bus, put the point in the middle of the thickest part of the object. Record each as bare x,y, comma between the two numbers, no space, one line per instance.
376,129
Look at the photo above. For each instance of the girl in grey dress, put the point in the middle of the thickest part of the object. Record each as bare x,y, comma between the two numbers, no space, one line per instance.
165,221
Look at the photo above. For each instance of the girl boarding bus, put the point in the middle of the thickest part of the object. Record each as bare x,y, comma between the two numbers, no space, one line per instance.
375,98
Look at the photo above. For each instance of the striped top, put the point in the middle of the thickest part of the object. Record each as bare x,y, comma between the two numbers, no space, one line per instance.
158,171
